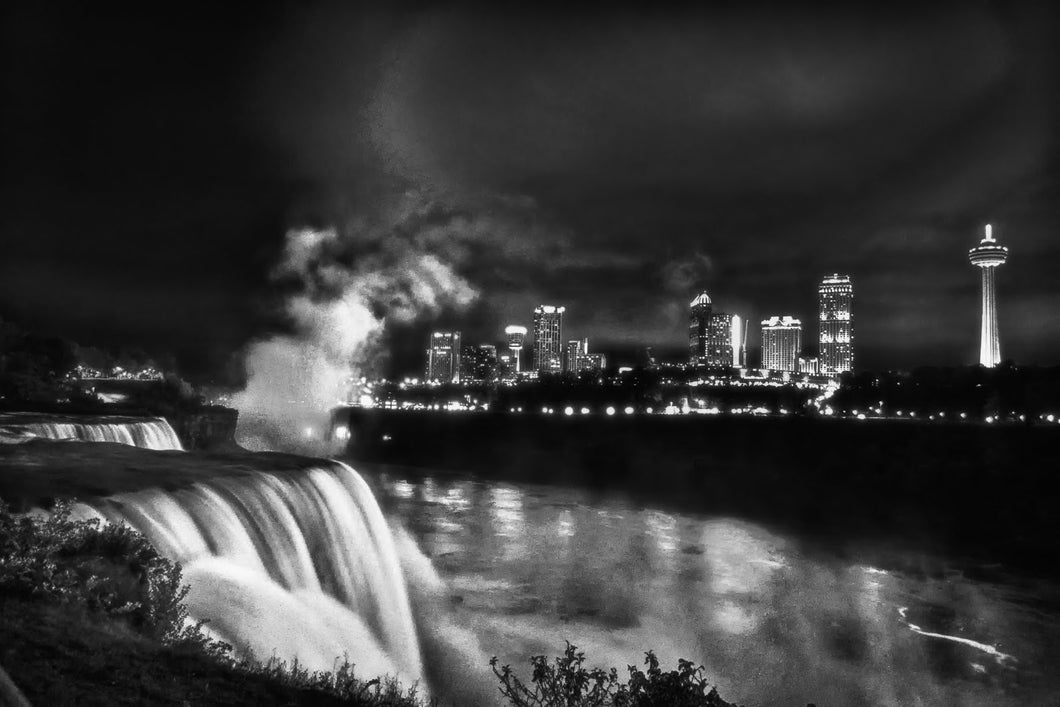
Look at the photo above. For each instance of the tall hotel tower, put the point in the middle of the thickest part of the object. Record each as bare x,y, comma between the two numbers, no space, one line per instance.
781,343
443,357
548,346
836,298
713,337
988,256
699,329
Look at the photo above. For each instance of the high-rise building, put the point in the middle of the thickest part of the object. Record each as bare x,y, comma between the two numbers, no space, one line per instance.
710,334
478,363
516,337
781,343
736,341
548,335
574,349
809,365
836,300
719,339
443,357
988,256
698,328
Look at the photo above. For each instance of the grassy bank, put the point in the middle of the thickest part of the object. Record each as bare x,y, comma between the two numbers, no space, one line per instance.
95,616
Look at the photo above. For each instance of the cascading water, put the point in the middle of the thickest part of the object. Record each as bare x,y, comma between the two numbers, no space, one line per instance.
297,564
146,433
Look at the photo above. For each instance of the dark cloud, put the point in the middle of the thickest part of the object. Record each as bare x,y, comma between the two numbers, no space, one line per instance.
614,161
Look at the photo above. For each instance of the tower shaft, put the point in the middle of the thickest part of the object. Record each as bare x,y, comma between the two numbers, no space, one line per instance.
989,343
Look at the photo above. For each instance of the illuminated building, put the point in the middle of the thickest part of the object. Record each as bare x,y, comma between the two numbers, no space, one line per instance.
737,341
988,256
548,330
810,365
593,362
478,363
577,359
836,300
710,334
781,343
516,337
574,349
698,323
443,357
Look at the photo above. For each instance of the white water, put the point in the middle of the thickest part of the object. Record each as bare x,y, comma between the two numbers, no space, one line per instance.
300,564
1000,657
147,433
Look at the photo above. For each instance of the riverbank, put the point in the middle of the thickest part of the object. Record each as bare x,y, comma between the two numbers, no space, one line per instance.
93,615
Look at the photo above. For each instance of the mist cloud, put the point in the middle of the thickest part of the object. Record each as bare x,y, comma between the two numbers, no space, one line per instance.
347,284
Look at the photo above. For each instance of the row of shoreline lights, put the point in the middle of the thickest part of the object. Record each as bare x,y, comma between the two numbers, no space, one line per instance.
672,409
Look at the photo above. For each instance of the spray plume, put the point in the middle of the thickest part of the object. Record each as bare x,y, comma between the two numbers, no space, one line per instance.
347,285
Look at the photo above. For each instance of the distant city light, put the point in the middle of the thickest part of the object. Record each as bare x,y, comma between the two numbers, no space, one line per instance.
629,410
585,411
610,410
568,410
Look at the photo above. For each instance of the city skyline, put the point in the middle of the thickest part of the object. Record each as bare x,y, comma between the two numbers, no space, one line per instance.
717,339
509,160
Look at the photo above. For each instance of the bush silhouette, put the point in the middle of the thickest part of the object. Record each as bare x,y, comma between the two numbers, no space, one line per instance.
566,682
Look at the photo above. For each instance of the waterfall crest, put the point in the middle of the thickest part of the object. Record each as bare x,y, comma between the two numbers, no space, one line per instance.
287,564
146,433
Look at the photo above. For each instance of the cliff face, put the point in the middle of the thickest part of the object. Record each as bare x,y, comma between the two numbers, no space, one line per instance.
206,428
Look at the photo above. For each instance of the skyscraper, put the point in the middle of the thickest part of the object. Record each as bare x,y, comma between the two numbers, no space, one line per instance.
710,334
516,337
443,357
698,328
781,343
719,339
836,299
575,348
988,256
548,329
736,341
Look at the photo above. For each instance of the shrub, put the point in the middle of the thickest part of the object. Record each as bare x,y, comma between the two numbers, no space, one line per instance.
110,569
113,570
566,682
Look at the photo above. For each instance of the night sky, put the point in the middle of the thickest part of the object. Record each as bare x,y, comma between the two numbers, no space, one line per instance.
614,161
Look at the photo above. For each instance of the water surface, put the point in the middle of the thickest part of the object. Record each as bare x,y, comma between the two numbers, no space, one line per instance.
774,621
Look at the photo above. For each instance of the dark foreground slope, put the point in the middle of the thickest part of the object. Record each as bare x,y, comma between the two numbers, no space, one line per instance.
983,491
59,655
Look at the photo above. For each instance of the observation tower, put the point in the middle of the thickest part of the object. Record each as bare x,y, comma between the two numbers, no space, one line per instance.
988,256
516,336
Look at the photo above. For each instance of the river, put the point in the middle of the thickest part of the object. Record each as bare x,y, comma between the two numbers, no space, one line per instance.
774,620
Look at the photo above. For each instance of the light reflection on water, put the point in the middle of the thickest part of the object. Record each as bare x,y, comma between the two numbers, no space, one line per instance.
530,566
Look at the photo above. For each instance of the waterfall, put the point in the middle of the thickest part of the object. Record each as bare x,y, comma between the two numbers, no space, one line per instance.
147,433
290,564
